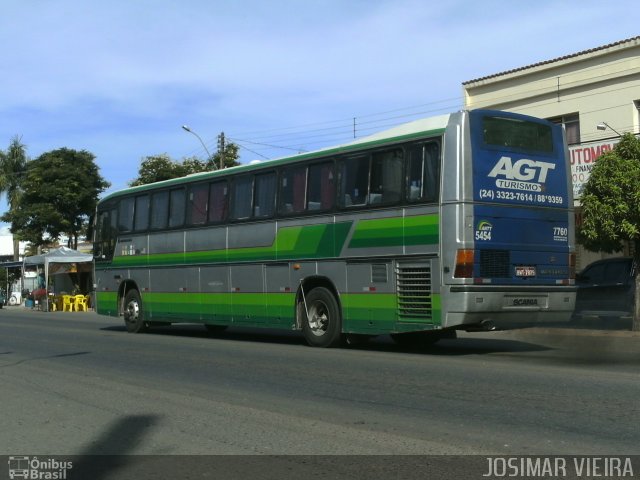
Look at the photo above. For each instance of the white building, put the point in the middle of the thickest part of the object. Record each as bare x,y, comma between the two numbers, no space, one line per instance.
6,244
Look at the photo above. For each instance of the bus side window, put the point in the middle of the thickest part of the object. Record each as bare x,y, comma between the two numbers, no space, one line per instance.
321,187
386,177
218,201
198,198
354,181
100,234
292,190
125,214
176,207
265,195
423,172
98,237
112,234
106,234
141,221
159,210
241,198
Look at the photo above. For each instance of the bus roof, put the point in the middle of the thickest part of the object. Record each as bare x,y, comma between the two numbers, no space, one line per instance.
415,129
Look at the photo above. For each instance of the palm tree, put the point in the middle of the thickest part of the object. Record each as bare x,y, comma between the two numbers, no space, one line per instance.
13,164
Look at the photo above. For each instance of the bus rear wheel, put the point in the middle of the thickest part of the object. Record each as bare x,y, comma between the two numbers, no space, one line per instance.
322,322
132,312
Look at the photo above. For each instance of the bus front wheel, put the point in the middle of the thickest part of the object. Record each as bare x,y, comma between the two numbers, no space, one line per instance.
321,323
133,317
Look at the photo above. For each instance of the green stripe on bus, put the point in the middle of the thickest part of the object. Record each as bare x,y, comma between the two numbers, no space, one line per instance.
107,303
276,309
363,312
397,231
367,312
291,243
309,241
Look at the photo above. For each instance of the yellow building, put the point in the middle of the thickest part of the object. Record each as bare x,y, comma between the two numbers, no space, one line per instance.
594,93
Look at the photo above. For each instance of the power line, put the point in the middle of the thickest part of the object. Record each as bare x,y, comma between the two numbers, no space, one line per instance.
301,137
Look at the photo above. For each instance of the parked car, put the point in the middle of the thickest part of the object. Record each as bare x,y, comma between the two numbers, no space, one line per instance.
3,300
606,289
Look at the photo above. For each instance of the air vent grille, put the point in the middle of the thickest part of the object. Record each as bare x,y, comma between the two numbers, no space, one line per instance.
379,273
414,291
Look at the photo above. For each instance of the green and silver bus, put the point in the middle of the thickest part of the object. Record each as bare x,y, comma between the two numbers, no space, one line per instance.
462,221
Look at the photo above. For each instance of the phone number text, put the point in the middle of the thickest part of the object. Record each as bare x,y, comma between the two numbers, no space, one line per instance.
520,196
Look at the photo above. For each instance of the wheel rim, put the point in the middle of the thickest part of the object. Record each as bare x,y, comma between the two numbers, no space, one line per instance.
132,312
318,318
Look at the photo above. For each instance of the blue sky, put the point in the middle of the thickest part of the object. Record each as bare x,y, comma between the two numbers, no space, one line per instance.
119,78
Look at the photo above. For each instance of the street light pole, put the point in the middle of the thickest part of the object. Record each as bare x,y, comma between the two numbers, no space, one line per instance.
187,129
605,125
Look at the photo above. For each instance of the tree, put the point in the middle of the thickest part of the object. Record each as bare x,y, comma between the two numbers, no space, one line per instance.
156,168
60,193
611,206
230,159
13,164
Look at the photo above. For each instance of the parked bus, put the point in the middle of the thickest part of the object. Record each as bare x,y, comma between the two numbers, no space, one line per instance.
462,221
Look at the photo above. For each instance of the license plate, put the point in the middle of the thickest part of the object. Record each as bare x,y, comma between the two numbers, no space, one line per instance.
525,271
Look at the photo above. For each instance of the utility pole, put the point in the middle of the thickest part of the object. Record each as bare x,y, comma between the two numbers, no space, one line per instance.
221,149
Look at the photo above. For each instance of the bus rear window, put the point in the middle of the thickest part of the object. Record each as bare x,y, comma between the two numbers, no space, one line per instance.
517,133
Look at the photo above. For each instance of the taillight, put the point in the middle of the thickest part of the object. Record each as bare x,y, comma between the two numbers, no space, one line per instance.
464,263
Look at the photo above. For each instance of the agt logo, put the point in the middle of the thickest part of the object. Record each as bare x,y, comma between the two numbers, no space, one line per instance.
523,174
483,231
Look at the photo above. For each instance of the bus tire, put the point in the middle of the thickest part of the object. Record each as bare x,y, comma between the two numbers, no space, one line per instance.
132,313
322,322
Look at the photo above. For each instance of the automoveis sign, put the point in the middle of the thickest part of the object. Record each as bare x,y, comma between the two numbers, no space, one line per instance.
582,158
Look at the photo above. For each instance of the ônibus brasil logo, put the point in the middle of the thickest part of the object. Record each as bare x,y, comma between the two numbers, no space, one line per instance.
32,468
523,174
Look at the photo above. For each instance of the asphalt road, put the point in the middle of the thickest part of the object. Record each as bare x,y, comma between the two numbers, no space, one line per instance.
78,384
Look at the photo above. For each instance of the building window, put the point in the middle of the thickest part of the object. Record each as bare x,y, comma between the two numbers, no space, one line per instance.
571,124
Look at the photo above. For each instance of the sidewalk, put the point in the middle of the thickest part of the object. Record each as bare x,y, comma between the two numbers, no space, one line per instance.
22,309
